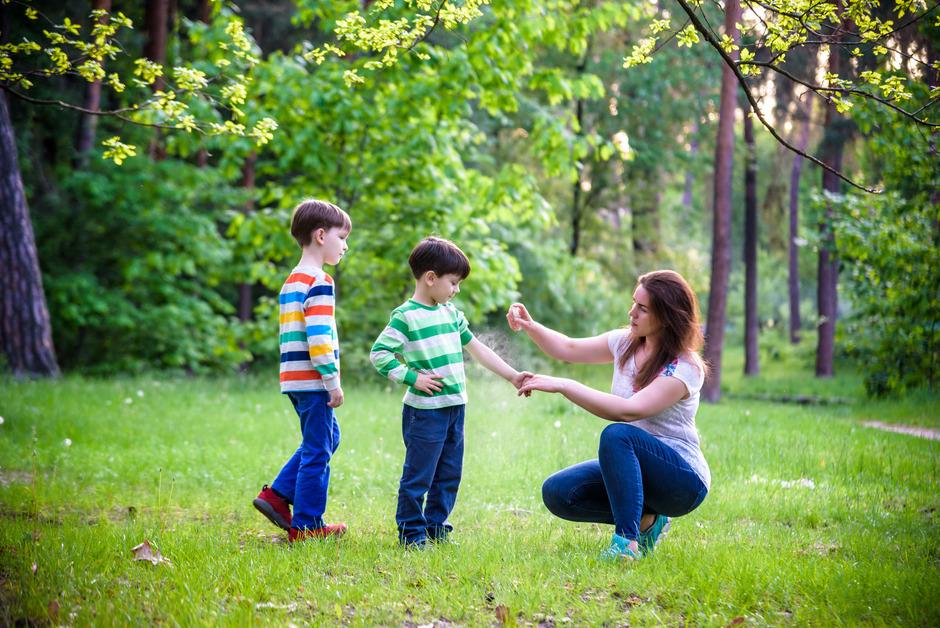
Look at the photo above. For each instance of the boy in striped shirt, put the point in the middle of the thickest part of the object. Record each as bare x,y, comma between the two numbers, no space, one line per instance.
429,333
310,375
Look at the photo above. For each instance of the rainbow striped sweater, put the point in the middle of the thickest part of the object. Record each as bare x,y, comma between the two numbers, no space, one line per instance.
309,343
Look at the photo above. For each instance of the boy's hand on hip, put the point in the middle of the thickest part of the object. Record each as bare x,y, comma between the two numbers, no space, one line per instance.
336,398
428,383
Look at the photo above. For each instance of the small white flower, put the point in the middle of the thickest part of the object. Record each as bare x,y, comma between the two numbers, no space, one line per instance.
493,434
1,420
128,401
140,393
557,424
67,442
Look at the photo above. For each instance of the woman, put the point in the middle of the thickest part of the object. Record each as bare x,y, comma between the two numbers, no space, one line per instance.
650,466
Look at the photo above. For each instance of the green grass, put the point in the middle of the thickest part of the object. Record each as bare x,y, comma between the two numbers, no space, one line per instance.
178,462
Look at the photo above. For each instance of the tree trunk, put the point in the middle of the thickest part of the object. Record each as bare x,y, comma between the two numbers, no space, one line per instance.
205,16
87,123
793,279
576,191
156,18
689,177
25,330
721,215
645,199
827,299
751,322
245,301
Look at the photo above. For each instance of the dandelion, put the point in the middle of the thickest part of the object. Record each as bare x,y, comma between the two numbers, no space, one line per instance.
67,442
1,420
140,393
493,434
557,424
128,400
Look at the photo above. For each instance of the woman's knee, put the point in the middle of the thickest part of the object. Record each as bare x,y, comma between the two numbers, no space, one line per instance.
616,436
554,494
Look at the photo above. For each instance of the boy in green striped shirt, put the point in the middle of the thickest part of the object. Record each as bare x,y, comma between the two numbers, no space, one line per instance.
430,333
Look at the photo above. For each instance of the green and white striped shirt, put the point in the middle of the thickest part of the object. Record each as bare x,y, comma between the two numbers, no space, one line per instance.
429,339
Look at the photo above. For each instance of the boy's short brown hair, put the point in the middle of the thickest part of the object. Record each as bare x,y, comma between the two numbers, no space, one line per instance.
312,214
440,255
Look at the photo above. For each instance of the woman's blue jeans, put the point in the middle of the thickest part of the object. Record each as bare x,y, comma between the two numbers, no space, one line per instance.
635,473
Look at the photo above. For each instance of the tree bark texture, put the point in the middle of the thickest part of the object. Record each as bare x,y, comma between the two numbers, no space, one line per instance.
647,233
245,300
156,21
827,279
721,215
87,123
751,321
25,330
796,172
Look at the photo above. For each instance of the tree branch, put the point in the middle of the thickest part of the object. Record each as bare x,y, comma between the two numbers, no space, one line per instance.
68,105
843,90
114,113
742,81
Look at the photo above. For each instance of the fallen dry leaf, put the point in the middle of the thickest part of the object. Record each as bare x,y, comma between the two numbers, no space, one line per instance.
145,551
502,614
736,621
53,610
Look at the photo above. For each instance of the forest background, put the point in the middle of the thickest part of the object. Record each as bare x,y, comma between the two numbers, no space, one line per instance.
516,129
151,153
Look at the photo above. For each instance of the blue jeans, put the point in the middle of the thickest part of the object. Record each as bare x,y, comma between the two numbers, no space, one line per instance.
433,463
304,480
635,473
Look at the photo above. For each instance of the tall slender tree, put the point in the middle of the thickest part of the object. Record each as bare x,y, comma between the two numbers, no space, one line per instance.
25,331
88,122
721,214
804,112
751,321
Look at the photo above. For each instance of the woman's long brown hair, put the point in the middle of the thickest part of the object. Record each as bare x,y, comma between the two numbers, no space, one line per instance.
675,306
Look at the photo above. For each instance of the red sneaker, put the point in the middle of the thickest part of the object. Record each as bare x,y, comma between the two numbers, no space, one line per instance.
331,529
274,507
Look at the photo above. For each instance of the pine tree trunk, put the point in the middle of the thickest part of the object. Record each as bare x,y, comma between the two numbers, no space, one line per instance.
827,299
721,215
245,300
204,16
647,235
793,278
88,123
689,177
156,19
751,322
25,330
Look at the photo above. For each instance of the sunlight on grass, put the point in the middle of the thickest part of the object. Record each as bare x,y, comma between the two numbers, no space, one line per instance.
812,518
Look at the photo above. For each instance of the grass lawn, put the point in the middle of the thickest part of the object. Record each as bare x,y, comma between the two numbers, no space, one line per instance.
812,518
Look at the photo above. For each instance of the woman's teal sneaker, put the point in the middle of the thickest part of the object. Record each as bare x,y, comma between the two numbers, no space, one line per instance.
649,539
619,550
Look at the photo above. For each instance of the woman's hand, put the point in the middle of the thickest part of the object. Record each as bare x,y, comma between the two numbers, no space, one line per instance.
518,317
544,383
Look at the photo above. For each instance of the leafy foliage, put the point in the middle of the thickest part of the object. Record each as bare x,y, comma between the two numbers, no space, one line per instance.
136,273
892,254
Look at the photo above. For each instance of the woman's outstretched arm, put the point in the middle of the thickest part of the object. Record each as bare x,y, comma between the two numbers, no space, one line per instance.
659,395
593,350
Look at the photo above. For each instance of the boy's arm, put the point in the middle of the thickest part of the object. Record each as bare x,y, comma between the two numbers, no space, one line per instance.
318,316
391,341
488,358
